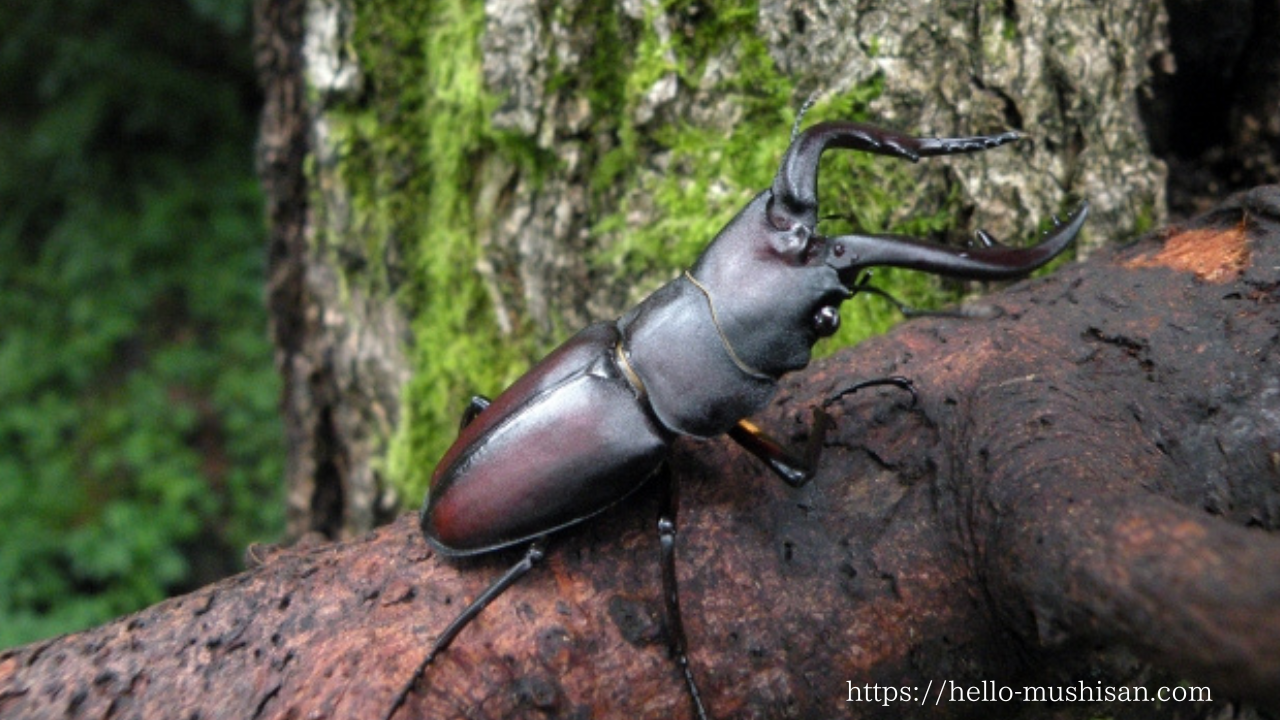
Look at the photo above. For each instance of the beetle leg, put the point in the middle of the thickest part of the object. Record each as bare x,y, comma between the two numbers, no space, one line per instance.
531,557
668,506
895,380
795,470
475,407
799,470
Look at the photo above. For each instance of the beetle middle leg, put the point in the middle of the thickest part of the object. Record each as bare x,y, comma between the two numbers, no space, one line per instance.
678,644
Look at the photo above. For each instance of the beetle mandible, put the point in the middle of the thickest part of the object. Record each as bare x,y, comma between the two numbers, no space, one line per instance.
594,420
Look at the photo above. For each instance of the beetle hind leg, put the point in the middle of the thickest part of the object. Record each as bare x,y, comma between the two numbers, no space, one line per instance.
532,557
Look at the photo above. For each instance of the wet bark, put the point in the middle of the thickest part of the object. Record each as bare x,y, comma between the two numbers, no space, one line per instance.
1087,494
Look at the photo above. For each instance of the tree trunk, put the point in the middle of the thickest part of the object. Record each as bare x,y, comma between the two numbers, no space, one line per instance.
1086,496
456,186
340,346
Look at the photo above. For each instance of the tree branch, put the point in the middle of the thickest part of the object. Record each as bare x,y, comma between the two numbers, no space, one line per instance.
1090,477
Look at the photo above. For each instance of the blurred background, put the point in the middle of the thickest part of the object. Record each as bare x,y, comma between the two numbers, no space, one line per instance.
140,440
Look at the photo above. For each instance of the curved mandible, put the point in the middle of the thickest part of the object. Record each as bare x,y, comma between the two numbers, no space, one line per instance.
849,254
796,183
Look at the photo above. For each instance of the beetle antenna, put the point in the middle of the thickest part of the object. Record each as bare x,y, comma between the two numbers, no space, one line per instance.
981,312
863,285
846,216
897,381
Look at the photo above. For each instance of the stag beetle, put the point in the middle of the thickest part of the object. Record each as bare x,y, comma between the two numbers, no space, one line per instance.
594,420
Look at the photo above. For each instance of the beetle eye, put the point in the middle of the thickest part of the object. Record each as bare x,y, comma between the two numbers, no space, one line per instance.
826,321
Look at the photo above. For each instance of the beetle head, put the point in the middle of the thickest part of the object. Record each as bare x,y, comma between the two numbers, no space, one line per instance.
779,283
768,284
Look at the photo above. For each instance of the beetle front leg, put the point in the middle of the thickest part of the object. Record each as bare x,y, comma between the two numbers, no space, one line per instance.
897,381
795,470
799,470
679,644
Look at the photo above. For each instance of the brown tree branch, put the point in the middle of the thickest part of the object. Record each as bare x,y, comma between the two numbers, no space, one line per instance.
1086,494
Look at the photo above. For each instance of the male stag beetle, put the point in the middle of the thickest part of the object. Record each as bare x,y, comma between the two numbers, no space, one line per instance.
594,420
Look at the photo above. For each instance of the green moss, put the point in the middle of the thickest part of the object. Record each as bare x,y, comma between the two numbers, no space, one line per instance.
998,31
411,157
1009,29
710,175
1145,220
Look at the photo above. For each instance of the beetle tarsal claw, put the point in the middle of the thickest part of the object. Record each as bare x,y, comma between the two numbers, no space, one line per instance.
984,239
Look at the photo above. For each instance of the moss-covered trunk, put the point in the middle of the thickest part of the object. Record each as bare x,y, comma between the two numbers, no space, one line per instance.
467,184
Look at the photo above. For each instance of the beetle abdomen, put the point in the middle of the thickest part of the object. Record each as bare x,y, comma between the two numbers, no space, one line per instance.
540,467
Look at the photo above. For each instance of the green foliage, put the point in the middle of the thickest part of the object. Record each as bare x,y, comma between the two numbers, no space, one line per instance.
140,446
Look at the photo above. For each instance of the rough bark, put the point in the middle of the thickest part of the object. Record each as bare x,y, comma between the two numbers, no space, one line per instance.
340,348
1068,74
1087,493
